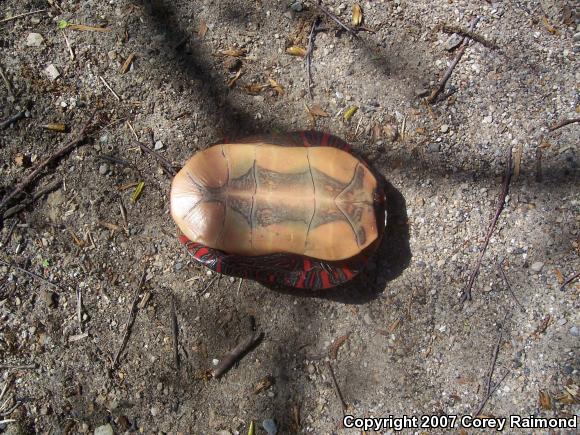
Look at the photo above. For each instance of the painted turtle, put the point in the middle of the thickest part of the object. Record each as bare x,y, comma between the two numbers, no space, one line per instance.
295,209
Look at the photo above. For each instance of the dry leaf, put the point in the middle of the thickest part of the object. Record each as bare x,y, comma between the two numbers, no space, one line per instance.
548,26
202,29
21,160
316,110
296,51
376,133
276,86
234,79
263,384
544,144
391,132
559,276
348,113
545,400
254,88
127,63
234,52
357,15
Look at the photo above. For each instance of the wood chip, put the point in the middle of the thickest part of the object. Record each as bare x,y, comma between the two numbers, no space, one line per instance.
60,128
317,110
82,27
276,86
296,51
357,15
264,384
348,113
545,400
234,79
202,29
234,52
333,351
127,63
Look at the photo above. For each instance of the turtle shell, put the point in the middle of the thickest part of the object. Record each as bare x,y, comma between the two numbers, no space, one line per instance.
296,209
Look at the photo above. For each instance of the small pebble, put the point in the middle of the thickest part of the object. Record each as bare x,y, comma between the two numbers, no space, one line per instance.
52,72
104,430
48,297
434,147
158,145
154,411
34,40
453,41
269,426
444,128
537,266
310,369
297,6
103,169
575,331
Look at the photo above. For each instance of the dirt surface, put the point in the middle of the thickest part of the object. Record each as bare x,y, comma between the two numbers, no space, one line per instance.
410,347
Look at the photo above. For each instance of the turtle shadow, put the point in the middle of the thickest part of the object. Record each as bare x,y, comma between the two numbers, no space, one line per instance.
391,259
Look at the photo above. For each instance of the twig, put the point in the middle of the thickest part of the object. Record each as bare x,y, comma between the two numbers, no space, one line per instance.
470,35
10,232
165,164
318,4
6,82
6,123
309,55
18,366
32,275
564,123
69,146
209,285
500,267
487,397
19,207
569,280
175,331
15,17
130,320
110,88
70,50
236,353
336,388
431,98
539,175
466,294
80,309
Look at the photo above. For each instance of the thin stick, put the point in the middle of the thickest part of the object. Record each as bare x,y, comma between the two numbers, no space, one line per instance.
209,285
6,82
451,67
336,388
130,320
28,201
333,17
70,50
466,294
80,309
236,353
309,55
69,146
569,280
500,267
15,17
110,88
32,275
10,232
6,123
165,164
18,366
175,331
564,123
133,131
240,286
487,397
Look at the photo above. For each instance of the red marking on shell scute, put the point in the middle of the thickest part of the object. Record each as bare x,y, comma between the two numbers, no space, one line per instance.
325,278
184,240
324,140
202,251
306,264
218,266
347,272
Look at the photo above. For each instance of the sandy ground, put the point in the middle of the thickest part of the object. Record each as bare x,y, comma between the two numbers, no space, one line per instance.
397,338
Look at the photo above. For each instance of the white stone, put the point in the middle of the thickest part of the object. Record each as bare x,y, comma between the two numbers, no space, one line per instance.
537,266
104,430
52,72
34,40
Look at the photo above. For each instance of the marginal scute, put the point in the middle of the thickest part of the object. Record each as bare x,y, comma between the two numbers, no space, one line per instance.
258,198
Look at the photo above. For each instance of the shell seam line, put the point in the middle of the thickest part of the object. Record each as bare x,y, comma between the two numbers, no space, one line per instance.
314,197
